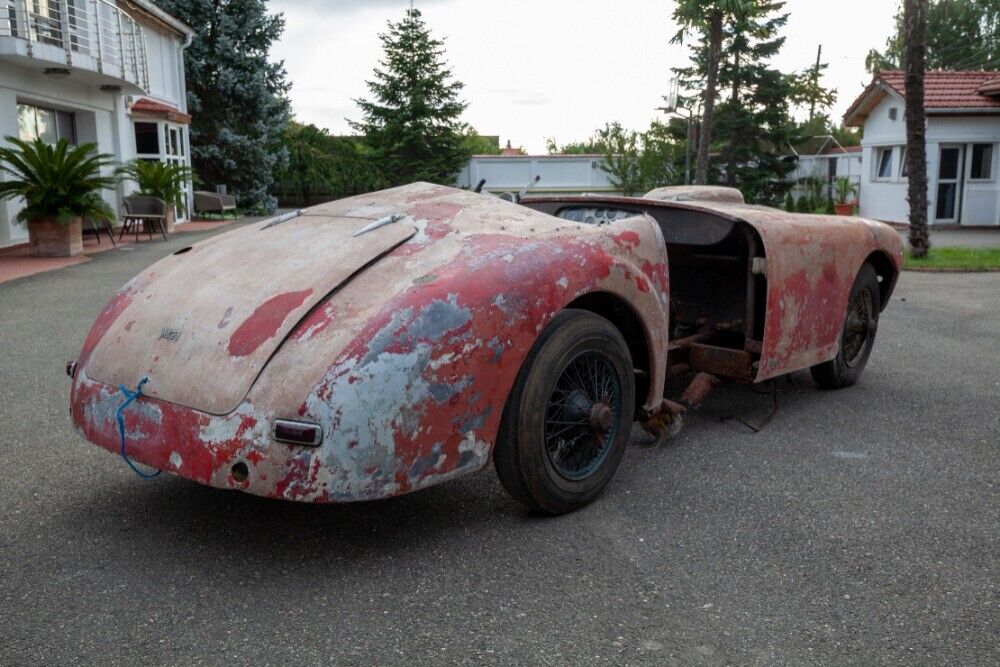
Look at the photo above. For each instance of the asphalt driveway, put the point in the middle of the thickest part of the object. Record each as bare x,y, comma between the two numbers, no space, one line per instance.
858,527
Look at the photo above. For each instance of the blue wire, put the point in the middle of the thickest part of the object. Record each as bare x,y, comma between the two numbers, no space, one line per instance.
129,397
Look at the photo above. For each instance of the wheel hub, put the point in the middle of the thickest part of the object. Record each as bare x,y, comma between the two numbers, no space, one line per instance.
583,415
602,417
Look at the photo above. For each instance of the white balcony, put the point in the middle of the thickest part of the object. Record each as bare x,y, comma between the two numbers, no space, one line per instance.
92,42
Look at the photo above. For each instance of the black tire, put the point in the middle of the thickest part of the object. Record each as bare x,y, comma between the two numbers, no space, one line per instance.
858,335
552,402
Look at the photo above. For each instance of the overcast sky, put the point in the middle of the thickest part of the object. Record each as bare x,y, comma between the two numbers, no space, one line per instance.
549,68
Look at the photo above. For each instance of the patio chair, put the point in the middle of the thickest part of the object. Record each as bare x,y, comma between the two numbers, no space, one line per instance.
213,202
150,211
96,226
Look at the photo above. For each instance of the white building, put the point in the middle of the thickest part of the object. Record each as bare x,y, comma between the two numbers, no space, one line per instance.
828,164
109,72
963,130
560,174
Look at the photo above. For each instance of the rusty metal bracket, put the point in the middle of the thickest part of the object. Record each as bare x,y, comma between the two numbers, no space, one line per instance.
668,420
721,361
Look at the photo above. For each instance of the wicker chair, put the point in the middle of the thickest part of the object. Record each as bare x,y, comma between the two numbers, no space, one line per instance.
152,211
212,202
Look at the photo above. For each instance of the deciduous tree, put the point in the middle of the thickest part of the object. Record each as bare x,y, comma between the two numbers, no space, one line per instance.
959,35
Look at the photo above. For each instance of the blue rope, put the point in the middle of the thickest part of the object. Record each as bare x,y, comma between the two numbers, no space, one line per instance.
129,397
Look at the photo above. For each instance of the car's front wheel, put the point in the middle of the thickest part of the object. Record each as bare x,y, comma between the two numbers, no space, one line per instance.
568,418
858,336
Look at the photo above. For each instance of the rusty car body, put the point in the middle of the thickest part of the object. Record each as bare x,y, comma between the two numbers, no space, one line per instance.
395,329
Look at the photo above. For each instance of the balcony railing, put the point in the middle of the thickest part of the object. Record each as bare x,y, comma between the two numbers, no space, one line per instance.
93,34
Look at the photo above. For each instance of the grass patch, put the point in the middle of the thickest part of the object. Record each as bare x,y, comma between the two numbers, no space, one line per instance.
967,259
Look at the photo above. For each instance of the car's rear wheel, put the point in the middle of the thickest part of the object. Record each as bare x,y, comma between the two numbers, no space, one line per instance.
568,418
858,336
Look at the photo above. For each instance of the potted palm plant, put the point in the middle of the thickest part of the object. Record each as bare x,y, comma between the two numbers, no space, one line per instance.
60,185
844,190
162,180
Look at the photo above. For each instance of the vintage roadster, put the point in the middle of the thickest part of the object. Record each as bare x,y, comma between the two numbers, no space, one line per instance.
380,344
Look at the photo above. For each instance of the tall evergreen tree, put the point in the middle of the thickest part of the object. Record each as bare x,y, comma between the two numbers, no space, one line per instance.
411,124
708,18
237,97
753,128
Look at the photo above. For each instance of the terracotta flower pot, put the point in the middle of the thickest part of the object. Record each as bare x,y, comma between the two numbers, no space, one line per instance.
844,209
50,239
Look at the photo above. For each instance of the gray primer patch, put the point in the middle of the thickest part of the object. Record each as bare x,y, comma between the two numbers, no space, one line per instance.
438,318
474,422
442,391
425,463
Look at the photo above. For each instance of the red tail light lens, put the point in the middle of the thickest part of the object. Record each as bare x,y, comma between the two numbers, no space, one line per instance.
297,433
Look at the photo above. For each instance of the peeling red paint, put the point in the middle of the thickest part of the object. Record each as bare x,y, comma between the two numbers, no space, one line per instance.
264,322
628,238
408,365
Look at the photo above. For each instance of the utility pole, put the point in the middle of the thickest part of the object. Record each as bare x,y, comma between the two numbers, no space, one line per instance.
812,102
673,107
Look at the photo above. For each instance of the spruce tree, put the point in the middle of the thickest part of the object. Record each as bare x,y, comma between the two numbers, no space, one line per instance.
411,124
753,127
237,97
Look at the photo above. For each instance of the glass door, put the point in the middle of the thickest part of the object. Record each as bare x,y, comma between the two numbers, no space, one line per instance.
173,153
949,188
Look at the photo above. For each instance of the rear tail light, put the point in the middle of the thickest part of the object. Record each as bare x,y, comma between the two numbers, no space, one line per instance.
297,433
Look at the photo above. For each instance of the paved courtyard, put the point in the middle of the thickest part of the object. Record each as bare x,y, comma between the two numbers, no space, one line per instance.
858,527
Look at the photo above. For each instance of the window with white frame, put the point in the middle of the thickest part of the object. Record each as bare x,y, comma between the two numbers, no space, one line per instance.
159,141
981,166
883,163
49,125
904,169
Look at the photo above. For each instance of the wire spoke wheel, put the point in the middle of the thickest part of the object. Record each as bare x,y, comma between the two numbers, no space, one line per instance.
567,420
858,336
858,326
583,415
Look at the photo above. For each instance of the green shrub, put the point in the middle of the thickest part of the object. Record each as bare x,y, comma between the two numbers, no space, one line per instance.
789,203
162,180
61,182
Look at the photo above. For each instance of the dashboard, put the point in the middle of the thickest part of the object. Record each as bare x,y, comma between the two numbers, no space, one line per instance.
595,215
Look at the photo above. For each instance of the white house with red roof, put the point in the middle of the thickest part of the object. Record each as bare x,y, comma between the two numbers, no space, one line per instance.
829,162
109,72
963,133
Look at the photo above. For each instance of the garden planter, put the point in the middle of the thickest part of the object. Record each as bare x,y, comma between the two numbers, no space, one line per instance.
844,209
48,238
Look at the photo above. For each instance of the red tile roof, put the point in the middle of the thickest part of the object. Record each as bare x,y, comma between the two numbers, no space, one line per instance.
943,90
990,88
145,106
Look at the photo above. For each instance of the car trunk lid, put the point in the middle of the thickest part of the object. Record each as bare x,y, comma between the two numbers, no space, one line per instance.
208,318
